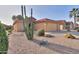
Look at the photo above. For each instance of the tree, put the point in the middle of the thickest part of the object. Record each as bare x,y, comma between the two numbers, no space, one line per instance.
74,13
13,17
20,17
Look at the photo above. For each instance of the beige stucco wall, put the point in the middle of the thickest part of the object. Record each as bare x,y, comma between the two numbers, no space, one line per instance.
49,26
39,26
15,27
18,27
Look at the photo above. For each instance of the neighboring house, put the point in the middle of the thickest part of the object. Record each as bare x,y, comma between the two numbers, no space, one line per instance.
69,25
49,25
77,25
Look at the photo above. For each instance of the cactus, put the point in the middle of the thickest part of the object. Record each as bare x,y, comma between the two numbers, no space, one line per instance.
29,29
3,40
27,23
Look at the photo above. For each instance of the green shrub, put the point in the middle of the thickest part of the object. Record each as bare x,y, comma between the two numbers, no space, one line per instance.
41,32
3,40
68,35
9,31
76,28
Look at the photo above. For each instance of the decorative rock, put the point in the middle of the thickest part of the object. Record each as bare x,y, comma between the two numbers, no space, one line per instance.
44,42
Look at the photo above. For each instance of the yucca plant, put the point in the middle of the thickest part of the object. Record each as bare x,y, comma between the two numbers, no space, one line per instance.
3,40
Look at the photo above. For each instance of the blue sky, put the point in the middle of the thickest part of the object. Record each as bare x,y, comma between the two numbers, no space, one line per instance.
54,12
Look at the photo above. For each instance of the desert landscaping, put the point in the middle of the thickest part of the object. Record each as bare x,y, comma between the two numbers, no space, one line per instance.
18,43
30,35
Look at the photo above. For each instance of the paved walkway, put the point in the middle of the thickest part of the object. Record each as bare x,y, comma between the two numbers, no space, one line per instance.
18,44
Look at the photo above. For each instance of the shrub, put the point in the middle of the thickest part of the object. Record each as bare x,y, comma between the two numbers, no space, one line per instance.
41,32
68,35
3,40
9,31
76,28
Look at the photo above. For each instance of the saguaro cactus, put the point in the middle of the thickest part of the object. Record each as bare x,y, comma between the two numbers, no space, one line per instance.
28,24
3,40
29,27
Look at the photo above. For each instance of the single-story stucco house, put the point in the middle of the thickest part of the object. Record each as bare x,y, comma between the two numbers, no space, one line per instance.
45,23
49,25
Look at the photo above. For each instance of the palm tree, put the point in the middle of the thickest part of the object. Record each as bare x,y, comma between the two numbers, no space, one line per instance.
74,13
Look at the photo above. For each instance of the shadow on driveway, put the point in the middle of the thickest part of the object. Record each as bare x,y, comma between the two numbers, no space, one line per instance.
58,48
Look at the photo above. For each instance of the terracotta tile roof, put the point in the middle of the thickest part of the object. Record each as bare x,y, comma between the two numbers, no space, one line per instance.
49,20
44,20
33,19
61,21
